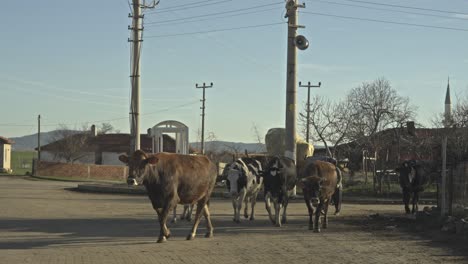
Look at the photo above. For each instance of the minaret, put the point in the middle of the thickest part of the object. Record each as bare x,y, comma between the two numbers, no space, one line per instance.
448,106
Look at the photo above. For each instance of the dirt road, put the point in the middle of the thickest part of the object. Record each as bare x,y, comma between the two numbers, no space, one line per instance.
41,222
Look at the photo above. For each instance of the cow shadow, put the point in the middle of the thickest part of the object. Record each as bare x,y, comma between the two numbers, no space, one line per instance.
38,233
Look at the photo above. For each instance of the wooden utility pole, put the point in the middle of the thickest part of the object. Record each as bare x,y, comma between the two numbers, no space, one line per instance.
291,89
39,137
203,115
308,105
136,40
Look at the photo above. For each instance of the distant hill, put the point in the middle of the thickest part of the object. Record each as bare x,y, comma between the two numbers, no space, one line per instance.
29,142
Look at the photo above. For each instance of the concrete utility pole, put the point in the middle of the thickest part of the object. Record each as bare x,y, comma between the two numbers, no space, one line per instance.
136,40
39,137
291,90
308,105
203,115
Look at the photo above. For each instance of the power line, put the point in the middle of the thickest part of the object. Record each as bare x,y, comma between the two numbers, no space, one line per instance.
391,10
165,23
214,30
181,7
385,21
408,7
214,14
105,120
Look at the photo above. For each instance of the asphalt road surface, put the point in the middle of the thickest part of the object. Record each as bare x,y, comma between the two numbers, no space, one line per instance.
42,222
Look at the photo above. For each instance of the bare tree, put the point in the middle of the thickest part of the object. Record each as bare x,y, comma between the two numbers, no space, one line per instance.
69,144
329,121
258,138
106,128
376,106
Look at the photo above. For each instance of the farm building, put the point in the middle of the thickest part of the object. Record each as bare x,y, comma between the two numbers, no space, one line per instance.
5,154
102,149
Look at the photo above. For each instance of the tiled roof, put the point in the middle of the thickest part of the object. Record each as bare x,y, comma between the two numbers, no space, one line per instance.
5,140
118,143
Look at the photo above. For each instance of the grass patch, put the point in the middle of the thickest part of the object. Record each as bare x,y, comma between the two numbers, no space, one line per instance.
21,161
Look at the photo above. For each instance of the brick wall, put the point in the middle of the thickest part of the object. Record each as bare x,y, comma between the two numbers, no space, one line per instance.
82,171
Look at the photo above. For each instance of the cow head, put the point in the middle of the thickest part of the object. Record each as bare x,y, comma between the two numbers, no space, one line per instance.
407,171
311,187
138,166
236,178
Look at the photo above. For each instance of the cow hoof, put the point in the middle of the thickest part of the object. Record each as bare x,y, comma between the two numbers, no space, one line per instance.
316,230
252,218
278,225
174,221
190,237
209,235
246,216
337,213
162,239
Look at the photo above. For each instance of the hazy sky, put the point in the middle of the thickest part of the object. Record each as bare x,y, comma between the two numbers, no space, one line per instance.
69,60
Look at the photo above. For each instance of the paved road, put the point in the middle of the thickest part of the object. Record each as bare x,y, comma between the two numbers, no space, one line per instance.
41,222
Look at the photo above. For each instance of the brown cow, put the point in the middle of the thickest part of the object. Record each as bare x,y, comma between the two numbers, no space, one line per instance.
319,182
172,179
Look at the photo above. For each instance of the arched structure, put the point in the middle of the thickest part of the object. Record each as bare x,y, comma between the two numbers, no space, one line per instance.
171,126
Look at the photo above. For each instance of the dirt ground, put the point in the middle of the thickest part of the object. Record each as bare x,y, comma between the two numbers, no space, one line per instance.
41,222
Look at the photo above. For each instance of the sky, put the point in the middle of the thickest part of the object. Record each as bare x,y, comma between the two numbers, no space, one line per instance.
69,61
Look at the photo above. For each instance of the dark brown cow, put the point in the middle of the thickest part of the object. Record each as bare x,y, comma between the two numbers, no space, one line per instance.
172,179
318,182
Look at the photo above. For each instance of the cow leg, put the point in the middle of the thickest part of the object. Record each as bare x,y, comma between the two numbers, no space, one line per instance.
325,214
174,219
253,202
268,207
234,206
246,208
284,218
278,206
311,213
189,212
200,205
337,198
163,231
406,199
415,202
318,211
239,204
209,226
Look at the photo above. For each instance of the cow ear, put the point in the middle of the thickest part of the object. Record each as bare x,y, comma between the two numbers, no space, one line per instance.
152,160
123,158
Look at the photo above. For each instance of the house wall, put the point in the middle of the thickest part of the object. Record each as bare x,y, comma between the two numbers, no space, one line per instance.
108,158
5,157
49,156
81,171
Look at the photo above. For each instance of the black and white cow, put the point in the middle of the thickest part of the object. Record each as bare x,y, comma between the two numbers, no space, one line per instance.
279,179
244,183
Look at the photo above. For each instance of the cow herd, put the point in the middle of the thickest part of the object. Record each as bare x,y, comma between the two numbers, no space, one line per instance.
172,179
